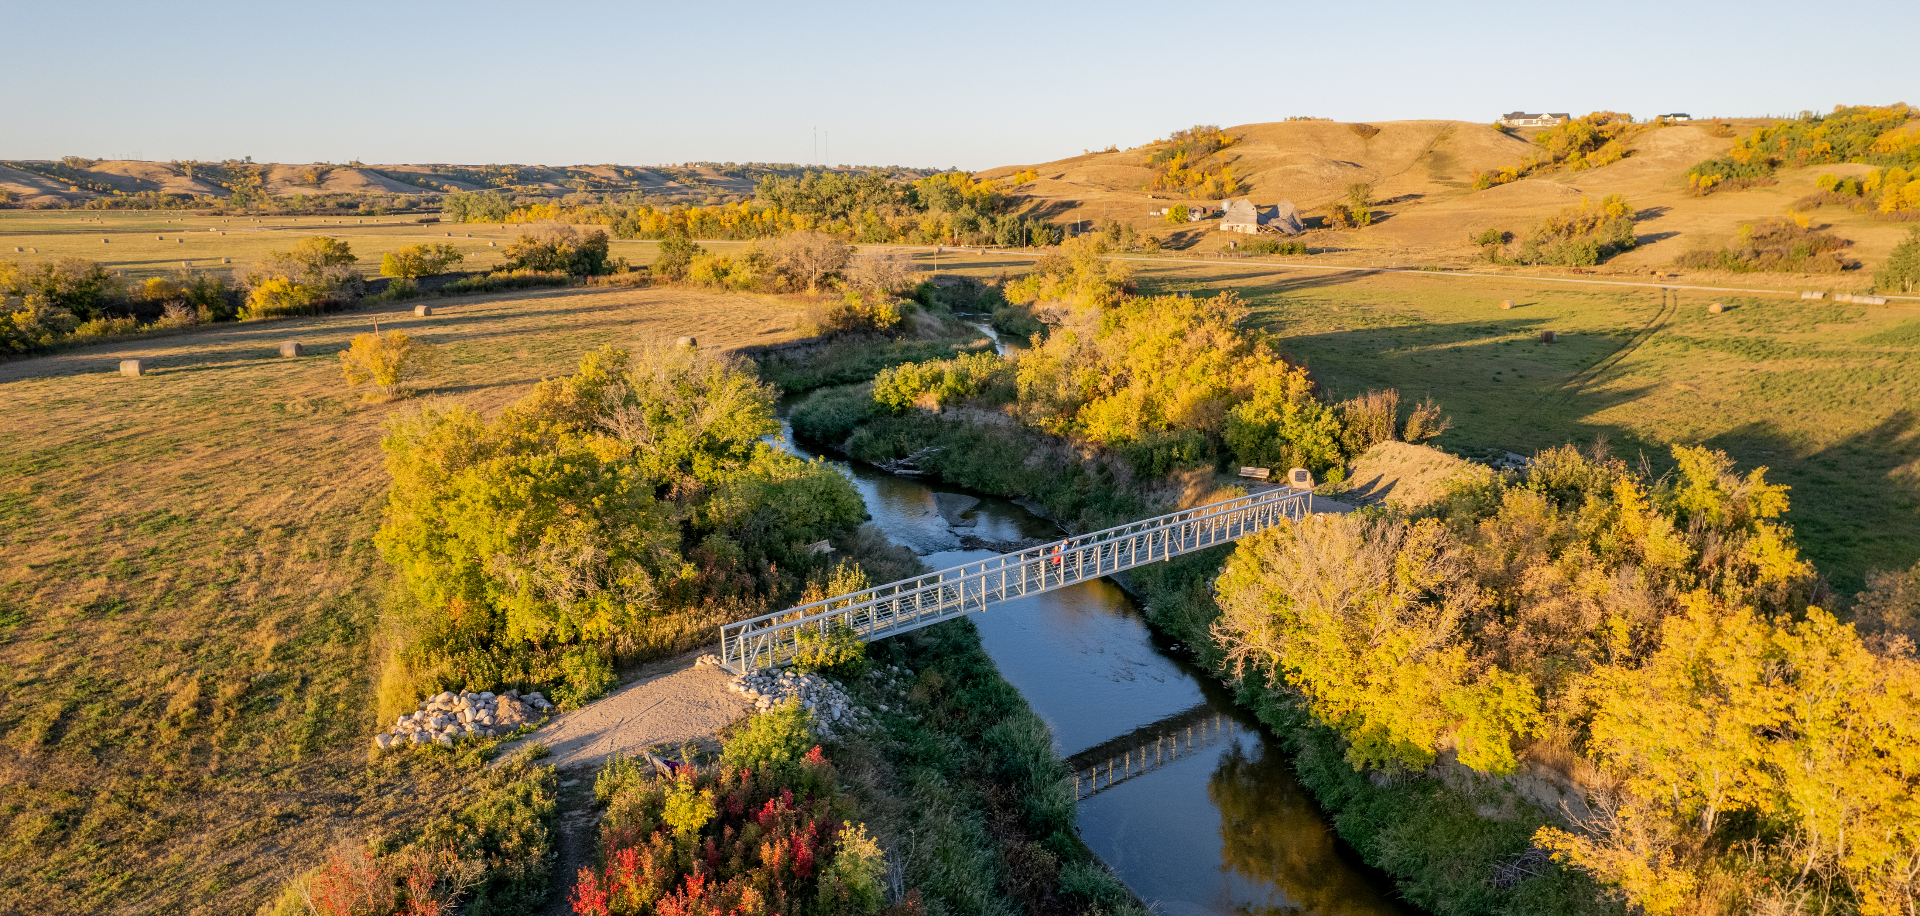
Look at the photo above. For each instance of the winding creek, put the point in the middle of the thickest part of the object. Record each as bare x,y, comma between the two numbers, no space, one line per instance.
1193,805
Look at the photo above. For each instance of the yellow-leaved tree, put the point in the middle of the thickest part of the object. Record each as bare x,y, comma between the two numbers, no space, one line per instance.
1363,617
389,361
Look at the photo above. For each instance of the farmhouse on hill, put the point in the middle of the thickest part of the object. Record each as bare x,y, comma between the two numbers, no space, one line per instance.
1523,119
1195,212
1242,216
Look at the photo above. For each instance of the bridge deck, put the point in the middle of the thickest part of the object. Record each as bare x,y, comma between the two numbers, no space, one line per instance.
910,604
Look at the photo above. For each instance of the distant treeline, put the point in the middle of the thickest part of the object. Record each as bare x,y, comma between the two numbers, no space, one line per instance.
877,207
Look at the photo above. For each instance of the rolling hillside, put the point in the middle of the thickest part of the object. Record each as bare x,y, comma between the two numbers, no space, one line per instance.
1422,172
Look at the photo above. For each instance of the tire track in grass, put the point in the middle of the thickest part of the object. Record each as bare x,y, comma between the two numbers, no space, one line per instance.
1574,384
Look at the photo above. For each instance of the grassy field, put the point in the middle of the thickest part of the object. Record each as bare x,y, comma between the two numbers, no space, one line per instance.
189,586
154,243
1820,392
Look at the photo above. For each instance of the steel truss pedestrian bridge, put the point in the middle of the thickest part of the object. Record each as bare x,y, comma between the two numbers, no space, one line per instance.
909,604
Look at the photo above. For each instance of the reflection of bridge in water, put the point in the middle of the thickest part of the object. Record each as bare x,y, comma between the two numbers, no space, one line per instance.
909,604
1148,748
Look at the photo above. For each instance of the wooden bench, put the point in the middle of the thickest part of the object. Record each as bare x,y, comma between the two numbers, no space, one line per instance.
1256,473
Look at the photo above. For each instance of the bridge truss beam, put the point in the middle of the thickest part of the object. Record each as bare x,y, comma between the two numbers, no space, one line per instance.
909,604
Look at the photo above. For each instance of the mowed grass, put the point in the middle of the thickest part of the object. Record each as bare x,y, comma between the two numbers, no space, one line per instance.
153,243
1824,394
189,589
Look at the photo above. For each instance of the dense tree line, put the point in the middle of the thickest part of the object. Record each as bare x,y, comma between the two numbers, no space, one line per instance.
873,208
1885,136
1762,755
1588,142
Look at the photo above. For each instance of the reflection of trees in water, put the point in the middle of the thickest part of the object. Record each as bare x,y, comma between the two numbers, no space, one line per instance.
1271,833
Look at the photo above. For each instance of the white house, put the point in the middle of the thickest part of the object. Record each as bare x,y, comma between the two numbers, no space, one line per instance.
1523,119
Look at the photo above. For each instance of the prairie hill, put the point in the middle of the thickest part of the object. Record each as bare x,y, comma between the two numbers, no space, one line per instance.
1422,173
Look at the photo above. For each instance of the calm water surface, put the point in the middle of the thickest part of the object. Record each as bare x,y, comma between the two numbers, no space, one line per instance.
1224,830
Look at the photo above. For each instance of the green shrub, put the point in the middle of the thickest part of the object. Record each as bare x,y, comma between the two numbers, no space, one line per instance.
774,741
830,415
1579,236
837,651
564,248
1275,246
585,674
1902,271
969,375
505,280
399,289
100,328
535,548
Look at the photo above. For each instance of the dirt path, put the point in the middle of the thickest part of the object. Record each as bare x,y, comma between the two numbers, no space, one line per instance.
672,703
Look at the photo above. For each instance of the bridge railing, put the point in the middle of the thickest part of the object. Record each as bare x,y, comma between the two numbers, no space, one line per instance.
909,604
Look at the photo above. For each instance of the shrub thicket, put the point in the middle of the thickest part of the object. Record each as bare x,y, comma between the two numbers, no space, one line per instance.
1189,162
1275,246
938,383
1579,236
490,858
609,515
1902,270
1661,628
1775,245
1078,276
1165,382
1589,142
44,304
1890,194
504,280
874,208
559,247
422,260
767,832
1877,135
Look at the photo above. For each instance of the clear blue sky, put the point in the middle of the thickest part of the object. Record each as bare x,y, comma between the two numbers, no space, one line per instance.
969,85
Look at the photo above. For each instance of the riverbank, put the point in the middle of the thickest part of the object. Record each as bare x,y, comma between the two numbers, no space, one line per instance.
1457,850
1449,848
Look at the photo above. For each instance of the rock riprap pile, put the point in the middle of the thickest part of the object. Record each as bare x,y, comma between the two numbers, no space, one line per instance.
450,716
833,711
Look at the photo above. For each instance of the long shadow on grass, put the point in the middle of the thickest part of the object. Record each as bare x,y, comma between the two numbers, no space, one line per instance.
1854,509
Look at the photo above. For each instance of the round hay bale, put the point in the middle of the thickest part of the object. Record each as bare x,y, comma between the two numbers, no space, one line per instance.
422,311
130,367
1506,303
689,342
1716,308
290,348
1549,337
